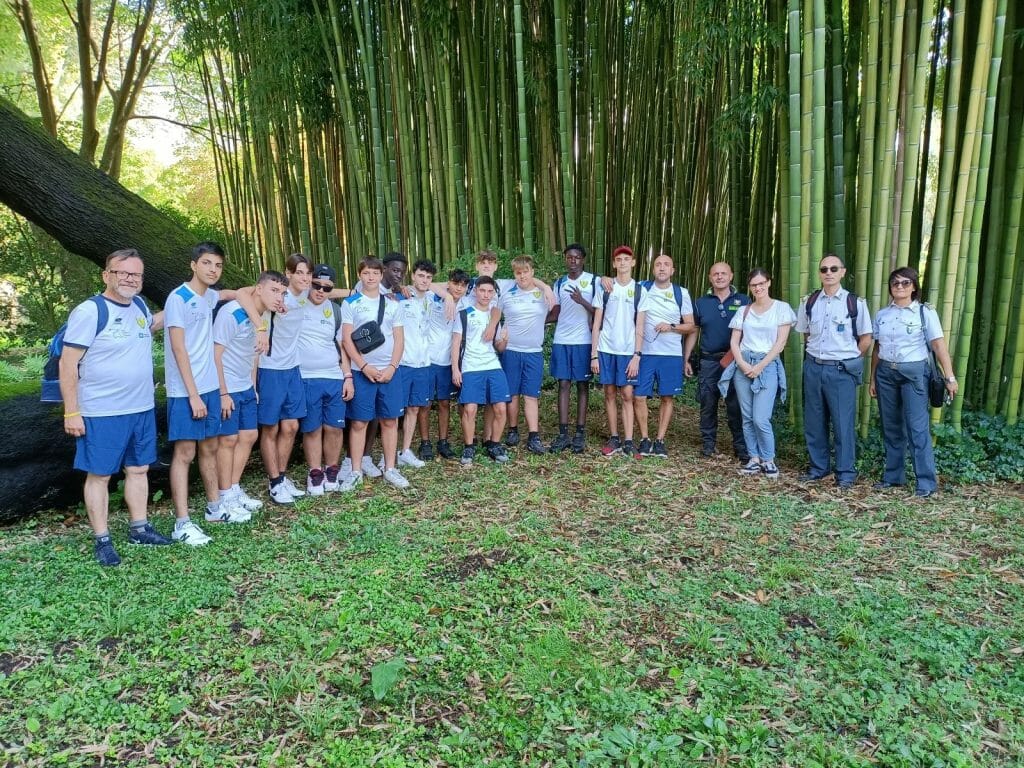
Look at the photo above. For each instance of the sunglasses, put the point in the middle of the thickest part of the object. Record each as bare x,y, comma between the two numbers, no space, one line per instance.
901,283
833,268
321,286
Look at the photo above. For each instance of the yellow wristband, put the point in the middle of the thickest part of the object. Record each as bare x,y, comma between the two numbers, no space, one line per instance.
70,415
262,329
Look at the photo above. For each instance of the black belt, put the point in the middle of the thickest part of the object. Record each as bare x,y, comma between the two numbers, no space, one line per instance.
713,355
836,363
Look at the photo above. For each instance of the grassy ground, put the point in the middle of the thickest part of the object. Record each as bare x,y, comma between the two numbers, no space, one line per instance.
569,612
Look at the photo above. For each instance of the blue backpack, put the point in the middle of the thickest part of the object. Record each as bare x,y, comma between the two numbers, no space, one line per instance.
50,389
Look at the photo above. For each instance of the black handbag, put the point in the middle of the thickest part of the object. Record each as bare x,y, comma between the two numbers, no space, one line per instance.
937,394
368,336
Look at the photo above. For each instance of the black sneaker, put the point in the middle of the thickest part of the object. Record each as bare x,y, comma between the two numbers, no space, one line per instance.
104,552
707,451
534,445
426,451
611,447
579,441
497,453
468,454
646,447
512,438
148,535
658,451
444,450
628,449
559,444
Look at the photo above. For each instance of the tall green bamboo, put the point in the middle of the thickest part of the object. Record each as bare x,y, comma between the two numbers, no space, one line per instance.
525,180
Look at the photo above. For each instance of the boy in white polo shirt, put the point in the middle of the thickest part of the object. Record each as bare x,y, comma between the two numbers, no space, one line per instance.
477,370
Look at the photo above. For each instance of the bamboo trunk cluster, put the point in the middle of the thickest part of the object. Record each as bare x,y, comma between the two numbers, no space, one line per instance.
760,132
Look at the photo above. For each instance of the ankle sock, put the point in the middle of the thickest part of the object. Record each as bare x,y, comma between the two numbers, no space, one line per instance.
138,525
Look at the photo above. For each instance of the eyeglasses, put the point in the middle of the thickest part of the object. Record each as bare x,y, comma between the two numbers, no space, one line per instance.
832,268
120,274
901,283
321,286
752,286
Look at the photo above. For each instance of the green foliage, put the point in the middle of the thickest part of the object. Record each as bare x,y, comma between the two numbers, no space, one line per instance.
987,450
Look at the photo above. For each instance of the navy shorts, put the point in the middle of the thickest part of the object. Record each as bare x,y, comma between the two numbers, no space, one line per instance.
665,370
613,369
484,387
441,387
324,405
282,395
416,385
376,401
243,417
113,442
181,425
570,362
524,372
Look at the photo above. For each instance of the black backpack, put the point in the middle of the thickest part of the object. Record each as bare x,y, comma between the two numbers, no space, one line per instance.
851,308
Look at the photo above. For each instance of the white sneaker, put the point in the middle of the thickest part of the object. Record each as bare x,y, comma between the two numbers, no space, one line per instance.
295,492
396,479
228,512
316,483
279,494
246,501
409,459
351,482
369,468
346,467
190,534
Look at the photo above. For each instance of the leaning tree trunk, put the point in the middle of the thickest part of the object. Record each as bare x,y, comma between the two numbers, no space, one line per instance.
85,210
90,215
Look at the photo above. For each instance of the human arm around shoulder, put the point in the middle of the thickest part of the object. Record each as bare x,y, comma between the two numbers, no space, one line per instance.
245,298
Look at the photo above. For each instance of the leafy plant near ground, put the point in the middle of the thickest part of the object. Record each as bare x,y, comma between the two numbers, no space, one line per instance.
567,611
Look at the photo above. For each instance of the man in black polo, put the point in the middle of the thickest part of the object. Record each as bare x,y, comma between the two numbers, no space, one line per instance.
712,313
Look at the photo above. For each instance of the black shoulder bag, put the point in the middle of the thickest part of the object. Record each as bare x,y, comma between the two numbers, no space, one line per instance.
368,336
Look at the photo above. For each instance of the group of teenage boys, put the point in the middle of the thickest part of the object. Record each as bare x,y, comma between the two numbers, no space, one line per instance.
266,362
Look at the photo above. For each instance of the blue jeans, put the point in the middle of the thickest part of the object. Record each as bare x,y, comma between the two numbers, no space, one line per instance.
757,402
903,407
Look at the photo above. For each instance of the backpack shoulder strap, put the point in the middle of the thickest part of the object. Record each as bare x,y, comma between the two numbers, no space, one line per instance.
678,291
102,312
380,310
464,321
812,298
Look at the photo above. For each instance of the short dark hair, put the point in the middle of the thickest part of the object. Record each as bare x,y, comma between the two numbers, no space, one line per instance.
575,247
272,276
424,265
486,280
910,274
207,246
293,261
121,255
394,256
370,262
459,277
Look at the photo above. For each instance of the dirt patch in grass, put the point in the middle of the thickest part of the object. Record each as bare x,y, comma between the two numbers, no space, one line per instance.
466,567
9,663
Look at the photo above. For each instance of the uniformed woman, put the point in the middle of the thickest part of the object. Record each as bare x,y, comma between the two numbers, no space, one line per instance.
900,369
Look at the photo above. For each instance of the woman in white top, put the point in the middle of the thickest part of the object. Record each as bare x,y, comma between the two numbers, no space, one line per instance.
759,334
905,332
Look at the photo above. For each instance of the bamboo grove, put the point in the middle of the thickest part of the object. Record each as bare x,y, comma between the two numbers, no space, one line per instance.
761,132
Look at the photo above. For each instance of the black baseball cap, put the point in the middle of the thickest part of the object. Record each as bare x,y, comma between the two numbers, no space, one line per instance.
324,271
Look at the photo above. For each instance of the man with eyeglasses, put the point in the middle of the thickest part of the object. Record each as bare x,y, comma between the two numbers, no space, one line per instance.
837,327
106,381
712,314
327,380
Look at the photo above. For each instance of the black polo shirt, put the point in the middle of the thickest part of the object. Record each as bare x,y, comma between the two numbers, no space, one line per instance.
713,318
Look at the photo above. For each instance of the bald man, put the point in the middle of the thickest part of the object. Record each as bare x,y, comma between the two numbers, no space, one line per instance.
712,313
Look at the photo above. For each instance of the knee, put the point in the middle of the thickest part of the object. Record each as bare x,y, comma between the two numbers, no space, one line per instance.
228,441
389,424
135,473
184,451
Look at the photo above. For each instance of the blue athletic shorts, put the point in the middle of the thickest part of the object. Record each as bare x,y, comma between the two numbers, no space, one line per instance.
524,372
376,401
570,362
666,370
282,395
441,387
324,406
613,369
416,385
181,425
243,416
484,387
113,442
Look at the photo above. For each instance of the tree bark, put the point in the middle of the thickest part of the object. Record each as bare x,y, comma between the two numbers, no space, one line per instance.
85,210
